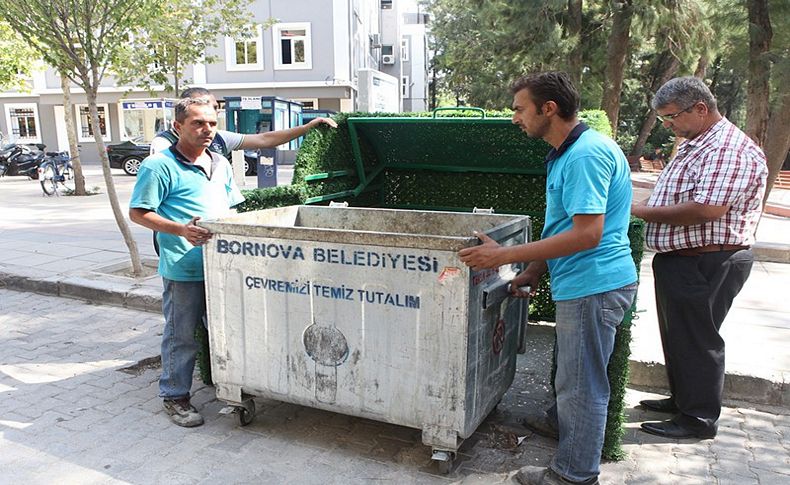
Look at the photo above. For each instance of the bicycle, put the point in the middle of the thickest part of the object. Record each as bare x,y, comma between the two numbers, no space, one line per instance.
56,169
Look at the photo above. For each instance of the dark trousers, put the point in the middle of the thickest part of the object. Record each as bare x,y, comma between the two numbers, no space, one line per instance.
693,295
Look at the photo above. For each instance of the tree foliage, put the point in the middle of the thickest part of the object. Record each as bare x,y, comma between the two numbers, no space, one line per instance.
482,46
177,35
83,40
16,59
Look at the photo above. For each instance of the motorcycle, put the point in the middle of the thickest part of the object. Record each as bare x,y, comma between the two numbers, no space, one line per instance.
21,159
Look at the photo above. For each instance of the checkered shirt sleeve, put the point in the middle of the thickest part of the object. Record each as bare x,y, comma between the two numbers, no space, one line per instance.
720,167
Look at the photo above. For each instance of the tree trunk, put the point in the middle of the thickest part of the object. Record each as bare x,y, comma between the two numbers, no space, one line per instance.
760,34
575,34
714,81
616,51
777,140
702,67
668,65
176,79
128,238
71,132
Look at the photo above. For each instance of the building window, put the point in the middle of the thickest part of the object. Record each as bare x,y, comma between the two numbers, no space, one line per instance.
245,54
23,123
142,119
404,86
292,48
404,49
308,103
84,131
386,4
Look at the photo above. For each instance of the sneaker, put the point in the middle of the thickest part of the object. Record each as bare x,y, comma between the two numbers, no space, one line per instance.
535,475
182,413
542,425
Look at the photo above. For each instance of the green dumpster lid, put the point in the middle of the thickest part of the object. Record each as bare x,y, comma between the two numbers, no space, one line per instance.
445,144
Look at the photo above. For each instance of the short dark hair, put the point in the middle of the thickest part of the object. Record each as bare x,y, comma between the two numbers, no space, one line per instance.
550,86
184,104
195,92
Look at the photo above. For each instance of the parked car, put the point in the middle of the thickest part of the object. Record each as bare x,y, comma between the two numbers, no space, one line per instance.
130,154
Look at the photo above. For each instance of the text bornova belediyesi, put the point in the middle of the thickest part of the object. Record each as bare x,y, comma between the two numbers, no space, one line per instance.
357,257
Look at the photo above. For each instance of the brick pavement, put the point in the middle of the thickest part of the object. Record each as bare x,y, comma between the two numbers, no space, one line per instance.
69,415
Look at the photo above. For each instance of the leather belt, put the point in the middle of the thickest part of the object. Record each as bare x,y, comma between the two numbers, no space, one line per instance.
710,248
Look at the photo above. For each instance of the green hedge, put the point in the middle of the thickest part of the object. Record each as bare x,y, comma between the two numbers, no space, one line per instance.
327,150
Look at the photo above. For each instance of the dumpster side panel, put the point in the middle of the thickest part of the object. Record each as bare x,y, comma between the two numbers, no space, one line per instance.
493,338
388,326
363,330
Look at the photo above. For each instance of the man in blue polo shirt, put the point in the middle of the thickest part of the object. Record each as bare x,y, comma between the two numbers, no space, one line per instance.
585,247
174,189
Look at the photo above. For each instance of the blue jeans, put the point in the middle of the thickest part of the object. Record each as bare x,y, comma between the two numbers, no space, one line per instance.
585,338
184,308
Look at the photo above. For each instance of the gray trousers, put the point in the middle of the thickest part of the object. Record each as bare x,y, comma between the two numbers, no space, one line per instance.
693,296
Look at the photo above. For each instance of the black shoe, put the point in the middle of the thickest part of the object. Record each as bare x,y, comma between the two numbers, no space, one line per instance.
535,475
674,430
660,405
542,425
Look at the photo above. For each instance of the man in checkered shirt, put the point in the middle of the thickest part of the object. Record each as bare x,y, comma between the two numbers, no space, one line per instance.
701,221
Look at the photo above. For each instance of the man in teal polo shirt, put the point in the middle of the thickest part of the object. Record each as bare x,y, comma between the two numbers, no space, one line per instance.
585,247
174,189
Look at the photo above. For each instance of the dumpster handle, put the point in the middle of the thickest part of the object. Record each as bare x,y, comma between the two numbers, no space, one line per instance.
481,111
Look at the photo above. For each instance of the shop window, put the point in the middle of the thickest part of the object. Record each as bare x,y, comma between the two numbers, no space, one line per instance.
84,131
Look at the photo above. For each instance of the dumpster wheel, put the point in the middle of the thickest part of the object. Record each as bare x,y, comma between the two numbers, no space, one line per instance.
245,413
444,460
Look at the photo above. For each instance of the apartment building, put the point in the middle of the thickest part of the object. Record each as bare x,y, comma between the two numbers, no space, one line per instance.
326,54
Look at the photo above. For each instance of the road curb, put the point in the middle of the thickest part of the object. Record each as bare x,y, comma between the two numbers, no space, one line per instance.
94,290
139,297
737,387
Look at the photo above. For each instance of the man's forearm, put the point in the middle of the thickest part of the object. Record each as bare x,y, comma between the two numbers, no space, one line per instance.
685,214
272,139
563,244
538,267
155,222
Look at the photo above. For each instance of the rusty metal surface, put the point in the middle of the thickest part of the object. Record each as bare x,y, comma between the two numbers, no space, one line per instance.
397,333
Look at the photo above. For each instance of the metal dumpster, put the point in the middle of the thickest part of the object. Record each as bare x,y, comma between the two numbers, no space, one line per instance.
366,312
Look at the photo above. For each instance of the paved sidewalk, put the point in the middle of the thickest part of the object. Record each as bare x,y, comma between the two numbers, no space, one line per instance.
70,414
71,247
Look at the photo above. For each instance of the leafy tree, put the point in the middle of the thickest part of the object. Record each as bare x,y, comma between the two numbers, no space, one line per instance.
71,133
758,91
777,138
616,56
16,59
16,63
679,34
83,39
179,35
482,46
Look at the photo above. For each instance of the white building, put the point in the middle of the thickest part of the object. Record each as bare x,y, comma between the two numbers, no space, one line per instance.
317,54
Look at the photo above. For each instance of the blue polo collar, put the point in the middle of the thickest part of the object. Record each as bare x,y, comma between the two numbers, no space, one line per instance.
574,135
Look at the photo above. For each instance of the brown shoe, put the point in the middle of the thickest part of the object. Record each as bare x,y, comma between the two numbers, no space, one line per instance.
542,425
182,412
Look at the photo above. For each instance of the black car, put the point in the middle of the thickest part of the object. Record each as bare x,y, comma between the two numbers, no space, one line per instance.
130,154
